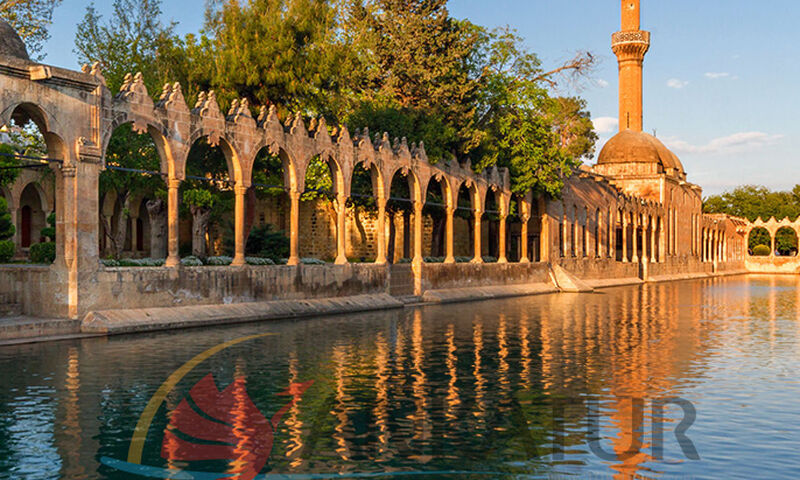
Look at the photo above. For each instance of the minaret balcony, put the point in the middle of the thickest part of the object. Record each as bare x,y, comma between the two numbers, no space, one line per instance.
632,43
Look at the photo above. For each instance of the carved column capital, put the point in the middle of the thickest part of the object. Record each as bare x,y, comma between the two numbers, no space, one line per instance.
68,171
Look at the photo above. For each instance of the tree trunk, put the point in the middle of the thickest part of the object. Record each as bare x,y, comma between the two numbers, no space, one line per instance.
392,242
157,212
105,223
122,225
437,237
249,212
200,218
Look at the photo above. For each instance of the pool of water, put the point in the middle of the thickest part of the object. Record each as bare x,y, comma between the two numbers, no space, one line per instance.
556,386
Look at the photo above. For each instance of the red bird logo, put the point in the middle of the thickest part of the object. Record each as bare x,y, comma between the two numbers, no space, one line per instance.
230,424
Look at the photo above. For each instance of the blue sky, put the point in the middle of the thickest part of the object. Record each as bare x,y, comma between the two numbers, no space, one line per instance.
719,80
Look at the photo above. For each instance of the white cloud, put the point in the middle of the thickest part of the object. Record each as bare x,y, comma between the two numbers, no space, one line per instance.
676,83
737,142
605,125
717,75
601,83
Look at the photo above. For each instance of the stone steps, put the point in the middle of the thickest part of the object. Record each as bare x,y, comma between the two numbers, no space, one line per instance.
113,322
19,327
470,294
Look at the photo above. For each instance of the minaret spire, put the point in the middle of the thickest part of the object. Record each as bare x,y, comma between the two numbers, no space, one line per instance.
630,45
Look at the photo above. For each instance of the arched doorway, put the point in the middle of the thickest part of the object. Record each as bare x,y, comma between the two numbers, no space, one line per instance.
786,242
31,216
759,242
363,238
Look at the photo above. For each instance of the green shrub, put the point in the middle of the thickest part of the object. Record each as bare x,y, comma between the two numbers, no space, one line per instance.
43,252
311,261
259,261
761,251
219,261
191,261
7,228
133,262
50,232
266,243
7,249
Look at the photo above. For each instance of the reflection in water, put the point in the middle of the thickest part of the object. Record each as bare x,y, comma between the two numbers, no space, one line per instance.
506,386
71,446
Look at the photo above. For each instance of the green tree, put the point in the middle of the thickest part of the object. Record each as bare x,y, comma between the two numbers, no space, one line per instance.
420,65
133,39
573,126
8,159
31,19
752,202
7,228
539,139
282,52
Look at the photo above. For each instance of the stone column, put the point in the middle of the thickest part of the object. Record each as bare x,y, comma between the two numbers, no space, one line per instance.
652,240
501,247
545,231
523,248
645,228
599,244
702,244
635,243
74,272
417,263
611,231
448,235
173,257
625,238
294,228
724,246
478,258
772,243
417,254
239,233
341,229
380,236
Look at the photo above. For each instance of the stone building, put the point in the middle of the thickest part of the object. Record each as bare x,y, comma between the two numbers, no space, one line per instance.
632,217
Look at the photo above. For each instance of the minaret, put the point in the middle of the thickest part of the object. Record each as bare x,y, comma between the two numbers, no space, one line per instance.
630,45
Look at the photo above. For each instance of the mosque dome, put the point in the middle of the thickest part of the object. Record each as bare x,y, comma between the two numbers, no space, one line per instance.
10,43
629,146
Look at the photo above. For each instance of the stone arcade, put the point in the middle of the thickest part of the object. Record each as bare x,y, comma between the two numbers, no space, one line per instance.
633,217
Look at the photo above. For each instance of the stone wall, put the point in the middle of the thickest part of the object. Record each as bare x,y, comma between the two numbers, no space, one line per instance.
27,289
465,275
773,264
679,266
140,287
599,268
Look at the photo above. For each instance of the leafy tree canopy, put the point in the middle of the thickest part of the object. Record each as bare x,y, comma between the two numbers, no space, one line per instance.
403,66
31,19
752,202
